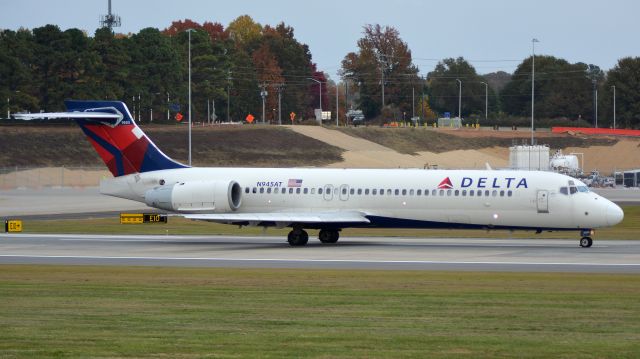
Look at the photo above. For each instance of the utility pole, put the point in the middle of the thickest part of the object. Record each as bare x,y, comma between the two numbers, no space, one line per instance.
208,113
280,87
614,106
139,107
595,102
533,80
213,112
486,101
168,105
413,102
229,96
263,94
337,104
382,67
460,101
190,31
8,108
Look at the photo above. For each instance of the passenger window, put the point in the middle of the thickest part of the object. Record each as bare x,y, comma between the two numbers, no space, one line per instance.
457,193
426,192
306,190
479,193
433,193
404,192
290,190
344,191
410,192
501,193
276,190
389,192
397,192
297,190
319,190
255,190
442,192
381,191
313,191
464,192
419,192
494,193
366,191
374,191
269,190
486,193
448,192
261,189
246,190
509,193
328,190
359,191
352,191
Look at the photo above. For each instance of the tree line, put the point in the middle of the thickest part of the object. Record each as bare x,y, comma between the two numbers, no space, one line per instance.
233,66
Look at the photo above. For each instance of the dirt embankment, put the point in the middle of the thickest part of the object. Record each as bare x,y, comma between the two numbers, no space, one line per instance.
253,146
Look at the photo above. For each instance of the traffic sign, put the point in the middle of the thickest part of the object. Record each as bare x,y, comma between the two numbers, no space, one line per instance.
250,118
179,117
292,115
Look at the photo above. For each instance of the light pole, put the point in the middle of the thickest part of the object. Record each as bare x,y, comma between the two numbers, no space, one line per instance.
263,94
190,31
168,105
319,93
460,101
486,101
614,106
533,77
229,96
8,108
337,104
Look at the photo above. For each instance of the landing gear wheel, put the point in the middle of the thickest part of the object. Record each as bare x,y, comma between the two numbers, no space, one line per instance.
298,237
328,235
586,242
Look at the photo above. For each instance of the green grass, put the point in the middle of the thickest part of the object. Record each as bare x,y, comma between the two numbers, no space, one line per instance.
629,228
77,311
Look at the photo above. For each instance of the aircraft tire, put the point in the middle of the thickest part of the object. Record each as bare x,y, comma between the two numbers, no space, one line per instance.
328,235
298,238
586,242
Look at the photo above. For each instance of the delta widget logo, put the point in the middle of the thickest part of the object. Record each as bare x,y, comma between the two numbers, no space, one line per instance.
445,184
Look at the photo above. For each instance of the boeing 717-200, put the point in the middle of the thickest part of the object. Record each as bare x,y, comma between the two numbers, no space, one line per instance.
332,199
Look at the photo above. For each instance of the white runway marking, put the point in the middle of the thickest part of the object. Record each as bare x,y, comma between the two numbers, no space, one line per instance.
320,260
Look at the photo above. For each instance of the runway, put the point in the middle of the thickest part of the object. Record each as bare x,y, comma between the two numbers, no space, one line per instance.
464,254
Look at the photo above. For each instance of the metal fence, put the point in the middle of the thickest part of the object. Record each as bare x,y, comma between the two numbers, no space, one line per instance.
38,177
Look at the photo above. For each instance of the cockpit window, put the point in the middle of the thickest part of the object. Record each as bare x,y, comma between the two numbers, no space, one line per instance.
583,189
573,190
564,190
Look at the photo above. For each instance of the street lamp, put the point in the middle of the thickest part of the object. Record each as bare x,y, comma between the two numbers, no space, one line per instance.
190,31
533,76
319,93
614,106
460,101
168,105
486,100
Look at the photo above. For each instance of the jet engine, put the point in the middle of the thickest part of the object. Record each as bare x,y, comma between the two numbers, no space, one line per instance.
196,196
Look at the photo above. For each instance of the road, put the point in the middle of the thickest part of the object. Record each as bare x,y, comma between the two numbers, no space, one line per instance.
468,254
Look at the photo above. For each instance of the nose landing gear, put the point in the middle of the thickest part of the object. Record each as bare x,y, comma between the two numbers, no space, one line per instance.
586,241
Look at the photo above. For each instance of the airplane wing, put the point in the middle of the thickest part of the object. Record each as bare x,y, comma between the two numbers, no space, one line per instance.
282,219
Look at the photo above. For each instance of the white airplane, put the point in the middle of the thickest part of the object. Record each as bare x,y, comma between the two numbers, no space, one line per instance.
333,199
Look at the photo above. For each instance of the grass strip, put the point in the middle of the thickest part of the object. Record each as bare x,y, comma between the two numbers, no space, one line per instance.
83,311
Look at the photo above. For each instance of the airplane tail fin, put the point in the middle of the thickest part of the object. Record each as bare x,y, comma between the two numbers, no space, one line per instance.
121,144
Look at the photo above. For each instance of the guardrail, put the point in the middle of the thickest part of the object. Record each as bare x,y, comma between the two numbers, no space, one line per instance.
38,177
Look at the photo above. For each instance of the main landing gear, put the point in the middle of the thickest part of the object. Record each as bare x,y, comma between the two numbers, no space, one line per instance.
329,235
586,241
299,237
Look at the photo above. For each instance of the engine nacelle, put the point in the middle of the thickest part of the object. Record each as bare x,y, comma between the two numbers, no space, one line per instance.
196,196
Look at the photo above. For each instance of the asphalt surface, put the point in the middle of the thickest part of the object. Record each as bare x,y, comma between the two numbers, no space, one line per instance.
469,254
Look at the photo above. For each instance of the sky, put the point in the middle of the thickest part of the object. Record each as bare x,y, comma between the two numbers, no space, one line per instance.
493,35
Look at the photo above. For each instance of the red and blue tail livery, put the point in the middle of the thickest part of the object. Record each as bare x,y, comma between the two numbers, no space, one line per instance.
121,144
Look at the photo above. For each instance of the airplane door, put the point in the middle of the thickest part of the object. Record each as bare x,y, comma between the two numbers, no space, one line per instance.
543,201
344,192
328,192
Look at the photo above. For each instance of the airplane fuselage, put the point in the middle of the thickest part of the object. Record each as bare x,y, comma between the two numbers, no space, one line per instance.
411,198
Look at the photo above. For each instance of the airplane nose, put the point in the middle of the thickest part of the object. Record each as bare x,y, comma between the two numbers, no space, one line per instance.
614,214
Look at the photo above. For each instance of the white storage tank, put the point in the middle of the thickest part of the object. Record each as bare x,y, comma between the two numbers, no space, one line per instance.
529,157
